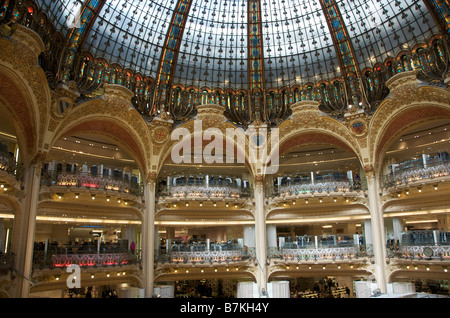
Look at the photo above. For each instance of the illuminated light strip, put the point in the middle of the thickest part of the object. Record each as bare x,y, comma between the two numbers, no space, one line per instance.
422,221
80,220
414,213
90,154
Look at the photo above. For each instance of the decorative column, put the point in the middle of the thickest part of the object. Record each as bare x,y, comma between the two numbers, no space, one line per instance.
148,235
377,222
24,227
260,234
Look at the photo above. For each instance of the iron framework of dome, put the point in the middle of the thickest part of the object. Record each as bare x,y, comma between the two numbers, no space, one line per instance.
254,57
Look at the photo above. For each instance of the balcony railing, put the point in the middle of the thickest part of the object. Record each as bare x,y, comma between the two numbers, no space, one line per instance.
92,181
201,256
322,253
425,251
203,186
414,171
54,260
9,164
6,263
326,183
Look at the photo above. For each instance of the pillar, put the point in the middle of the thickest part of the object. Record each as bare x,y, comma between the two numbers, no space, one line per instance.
377,222
24,228
368,232
397,227
249,236
260,235
148,237
271,236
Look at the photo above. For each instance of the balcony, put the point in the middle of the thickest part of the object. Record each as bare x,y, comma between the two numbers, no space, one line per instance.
422,245
324,247
329,182
114,184
199,253
203,186
10,171
84,259
410,173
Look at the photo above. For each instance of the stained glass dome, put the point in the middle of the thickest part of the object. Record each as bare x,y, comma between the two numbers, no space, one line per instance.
240,46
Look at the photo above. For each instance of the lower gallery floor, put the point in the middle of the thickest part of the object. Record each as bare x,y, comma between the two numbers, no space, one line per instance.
299,287
117,267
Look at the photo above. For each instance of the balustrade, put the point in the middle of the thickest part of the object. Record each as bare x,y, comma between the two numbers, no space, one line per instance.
203,186
416,170
52,260
9,164
322,247
89,180
322,253
326,182
196,256
421,244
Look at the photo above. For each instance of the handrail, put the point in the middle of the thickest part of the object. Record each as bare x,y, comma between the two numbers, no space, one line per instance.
52,260
9,164
416,171
85,179
234,255
332,252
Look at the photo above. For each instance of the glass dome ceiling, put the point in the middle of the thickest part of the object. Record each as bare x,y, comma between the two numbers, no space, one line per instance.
216,48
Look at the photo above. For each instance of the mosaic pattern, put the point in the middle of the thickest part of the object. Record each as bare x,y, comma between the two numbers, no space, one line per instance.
170,52
442,10
340,36
76,36
256,58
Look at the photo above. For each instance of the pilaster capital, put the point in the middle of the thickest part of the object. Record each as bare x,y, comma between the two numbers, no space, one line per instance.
39,158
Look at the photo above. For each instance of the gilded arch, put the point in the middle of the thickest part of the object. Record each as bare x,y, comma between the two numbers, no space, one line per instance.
122,126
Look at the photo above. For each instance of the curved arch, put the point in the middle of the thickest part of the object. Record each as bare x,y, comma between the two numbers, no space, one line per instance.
20,109
408,116
417,274
11,203
113,128
314,136
320,272
240,153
